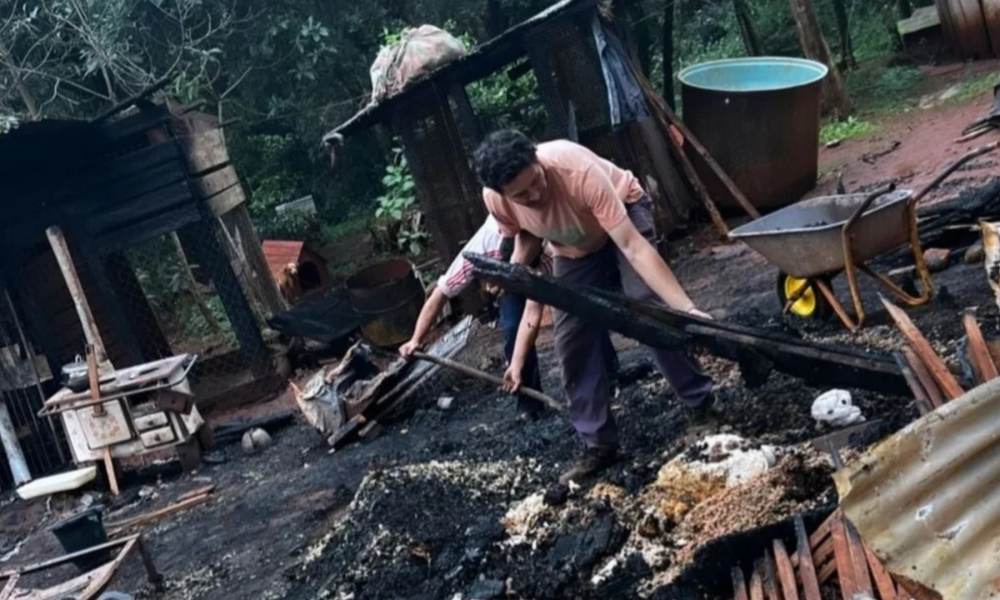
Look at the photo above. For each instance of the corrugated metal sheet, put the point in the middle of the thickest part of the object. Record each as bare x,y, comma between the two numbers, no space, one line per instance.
926,500
278,254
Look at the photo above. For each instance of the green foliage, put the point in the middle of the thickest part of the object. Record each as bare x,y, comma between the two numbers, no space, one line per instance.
844,130
196,327
397,218
400,189
973,86
345,229
264,167
876,87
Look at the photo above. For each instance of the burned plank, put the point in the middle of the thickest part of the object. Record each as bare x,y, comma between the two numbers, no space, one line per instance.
986,369
205,151
807,570
132,164
216,182
227,200
934,394
858,558
133,125
786,574
883,580
157,201
851,564
663,328
938,369
770,578
757,583
739,585
919,393
172,220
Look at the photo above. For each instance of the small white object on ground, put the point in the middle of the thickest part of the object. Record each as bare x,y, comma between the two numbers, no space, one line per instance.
726,456
63,482
446,402
255,441
836,408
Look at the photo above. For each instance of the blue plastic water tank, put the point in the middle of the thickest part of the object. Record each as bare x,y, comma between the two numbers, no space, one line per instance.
759,117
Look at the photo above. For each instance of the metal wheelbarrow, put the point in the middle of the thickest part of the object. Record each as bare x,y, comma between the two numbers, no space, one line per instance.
814,240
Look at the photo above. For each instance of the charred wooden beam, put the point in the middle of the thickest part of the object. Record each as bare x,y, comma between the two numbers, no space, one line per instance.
664,328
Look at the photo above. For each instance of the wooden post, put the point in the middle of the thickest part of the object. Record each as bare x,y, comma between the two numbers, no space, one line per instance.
815,47
61,250
667,42
200,240
12,447
95,395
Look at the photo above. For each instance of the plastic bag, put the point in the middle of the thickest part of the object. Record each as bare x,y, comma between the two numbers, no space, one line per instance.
418,52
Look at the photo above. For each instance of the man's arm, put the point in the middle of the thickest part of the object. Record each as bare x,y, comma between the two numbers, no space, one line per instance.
428,315
527,335
527,247
651,267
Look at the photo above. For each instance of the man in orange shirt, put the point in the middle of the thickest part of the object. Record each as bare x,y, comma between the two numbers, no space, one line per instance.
598,222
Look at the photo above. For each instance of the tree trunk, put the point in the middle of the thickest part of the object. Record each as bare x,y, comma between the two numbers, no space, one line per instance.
667,34
844,29
15,76
835,100
905,8
751,41
643,39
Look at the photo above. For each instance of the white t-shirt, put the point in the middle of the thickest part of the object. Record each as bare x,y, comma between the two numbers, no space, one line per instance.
487,242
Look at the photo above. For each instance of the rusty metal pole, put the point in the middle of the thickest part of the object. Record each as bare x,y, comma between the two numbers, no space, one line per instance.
61,249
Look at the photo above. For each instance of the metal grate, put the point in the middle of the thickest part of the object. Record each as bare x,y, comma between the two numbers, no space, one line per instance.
25,377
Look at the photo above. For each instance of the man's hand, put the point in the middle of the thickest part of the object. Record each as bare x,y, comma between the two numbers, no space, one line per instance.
512,379
407,349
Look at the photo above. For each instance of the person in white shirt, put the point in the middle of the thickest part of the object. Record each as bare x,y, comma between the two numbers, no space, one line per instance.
489,242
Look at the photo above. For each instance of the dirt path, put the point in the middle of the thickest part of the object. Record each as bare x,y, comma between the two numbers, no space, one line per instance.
910,147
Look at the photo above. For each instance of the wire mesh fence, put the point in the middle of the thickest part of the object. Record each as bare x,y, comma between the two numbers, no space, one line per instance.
195,292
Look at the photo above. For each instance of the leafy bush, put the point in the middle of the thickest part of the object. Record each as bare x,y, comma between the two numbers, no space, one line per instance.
974,86
876,87
398,221
844,130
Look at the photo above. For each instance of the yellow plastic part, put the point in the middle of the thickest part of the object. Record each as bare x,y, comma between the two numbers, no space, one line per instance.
806,305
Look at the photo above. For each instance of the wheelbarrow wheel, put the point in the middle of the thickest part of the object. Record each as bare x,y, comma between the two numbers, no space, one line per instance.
812,305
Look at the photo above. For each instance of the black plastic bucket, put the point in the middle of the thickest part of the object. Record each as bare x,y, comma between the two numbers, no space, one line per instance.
81,531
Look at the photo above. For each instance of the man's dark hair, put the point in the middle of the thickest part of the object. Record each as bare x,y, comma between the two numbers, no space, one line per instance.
502,156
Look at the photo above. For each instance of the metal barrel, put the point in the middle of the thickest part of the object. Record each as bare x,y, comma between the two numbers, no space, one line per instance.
760,118
388,298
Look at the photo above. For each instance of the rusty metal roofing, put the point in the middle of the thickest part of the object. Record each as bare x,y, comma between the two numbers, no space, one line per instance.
926,500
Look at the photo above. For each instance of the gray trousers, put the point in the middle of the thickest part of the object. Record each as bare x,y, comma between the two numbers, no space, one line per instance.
581,345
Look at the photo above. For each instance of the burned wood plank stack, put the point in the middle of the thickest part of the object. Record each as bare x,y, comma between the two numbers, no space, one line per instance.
928,376
757,352
833,554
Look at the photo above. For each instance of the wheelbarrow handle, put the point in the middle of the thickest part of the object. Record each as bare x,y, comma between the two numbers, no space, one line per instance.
947,171
868,202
